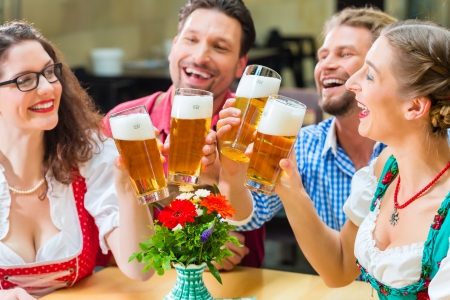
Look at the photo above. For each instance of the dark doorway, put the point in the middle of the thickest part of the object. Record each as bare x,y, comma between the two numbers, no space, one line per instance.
341,4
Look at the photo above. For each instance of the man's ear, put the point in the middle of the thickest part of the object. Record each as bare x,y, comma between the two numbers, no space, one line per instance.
175,39
242,63
418,108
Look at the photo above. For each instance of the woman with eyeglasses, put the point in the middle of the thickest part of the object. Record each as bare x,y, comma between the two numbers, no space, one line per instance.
62,184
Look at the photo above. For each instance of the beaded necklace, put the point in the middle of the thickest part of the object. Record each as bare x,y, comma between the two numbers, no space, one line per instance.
394,216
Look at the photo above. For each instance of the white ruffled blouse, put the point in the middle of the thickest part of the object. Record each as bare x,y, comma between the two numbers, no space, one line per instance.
100,201
396,267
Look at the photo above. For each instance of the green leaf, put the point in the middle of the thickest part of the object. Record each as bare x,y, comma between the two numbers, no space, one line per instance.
133,256
214,271
143,247
216,189
146,268
166,263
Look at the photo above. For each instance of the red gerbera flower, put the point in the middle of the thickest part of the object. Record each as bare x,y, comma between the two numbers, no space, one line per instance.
218,204
178,212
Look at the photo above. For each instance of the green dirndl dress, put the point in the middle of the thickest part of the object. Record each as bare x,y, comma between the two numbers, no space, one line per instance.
435,248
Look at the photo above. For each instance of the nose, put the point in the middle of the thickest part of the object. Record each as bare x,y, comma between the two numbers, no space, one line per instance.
352,84
328,63
201,54
44,87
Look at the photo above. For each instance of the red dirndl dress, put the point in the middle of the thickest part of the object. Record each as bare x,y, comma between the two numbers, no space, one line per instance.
42,278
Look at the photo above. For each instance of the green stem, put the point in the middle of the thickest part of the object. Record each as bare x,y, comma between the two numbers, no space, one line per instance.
199,255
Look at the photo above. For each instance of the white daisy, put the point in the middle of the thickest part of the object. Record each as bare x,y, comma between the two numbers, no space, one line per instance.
184,196
202,193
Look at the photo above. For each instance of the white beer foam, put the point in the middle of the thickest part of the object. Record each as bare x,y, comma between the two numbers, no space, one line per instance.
253,86
192,107
280,119
133,127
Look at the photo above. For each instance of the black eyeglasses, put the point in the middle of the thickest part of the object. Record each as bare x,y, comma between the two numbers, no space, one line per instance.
29,81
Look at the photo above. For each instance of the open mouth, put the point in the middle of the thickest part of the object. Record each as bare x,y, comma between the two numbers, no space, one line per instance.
196,73
42,106
365,111
333,82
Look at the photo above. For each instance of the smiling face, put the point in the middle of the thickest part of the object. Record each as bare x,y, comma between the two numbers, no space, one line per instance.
341,55
374,85
205,54
36,109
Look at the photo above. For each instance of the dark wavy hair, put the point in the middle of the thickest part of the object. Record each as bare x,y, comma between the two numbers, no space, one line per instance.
235,9
72,141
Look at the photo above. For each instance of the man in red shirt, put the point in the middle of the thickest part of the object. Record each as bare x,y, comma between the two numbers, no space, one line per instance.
208,53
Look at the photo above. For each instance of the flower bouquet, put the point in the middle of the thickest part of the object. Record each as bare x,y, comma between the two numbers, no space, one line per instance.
190,234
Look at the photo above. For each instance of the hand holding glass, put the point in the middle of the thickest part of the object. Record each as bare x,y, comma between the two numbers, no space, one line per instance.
280,124
133,133
189,125
255,86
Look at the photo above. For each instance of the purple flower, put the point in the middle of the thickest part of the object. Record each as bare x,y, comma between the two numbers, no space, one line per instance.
207,233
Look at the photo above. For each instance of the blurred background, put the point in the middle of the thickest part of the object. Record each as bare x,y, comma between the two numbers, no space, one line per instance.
141,31
137,35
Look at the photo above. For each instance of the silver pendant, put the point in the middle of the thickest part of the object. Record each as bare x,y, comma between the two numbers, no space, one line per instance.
394,217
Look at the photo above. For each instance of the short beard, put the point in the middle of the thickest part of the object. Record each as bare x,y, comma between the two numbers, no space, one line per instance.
342,106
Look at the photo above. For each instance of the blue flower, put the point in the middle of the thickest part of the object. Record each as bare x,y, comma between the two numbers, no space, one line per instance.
207,233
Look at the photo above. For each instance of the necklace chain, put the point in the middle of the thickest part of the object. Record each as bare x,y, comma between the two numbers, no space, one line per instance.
26,192
394,216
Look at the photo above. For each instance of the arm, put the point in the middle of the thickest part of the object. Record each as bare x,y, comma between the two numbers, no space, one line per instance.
134,220
16,294
330,252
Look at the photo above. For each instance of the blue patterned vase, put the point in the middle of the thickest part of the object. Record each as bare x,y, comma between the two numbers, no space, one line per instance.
189,284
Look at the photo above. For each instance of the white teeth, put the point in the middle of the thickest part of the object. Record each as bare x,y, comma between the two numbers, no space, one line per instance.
204,75
333,81
42,106
365,110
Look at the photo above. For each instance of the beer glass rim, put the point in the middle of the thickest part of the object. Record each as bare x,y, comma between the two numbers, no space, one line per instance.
193,92
298,104
126,110
263,67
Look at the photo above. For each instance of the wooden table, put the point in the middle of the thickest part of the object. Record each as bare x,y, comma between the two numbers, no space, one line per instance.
265,284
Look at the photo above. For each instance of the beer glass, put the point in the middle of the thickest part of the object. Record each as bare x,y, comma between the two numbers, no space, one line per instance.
255,86
133,133
189,124
280,124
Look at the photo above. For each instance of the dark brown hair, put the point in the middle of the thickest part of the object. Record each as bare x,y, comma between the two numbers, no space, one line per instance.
370,18
422,66
232,8
72,141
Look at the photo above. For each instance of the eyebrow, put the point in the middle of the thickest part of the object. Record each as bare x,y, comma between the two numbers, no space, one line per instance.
49,62
221,39
372,66
339,48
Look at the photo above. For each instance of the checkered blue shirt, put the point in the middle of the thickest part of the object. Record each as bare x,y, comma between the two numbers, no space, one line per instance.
326,172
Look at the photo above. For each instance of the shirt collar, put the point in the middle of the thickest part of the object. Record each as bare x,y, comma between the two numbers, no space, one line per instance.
330,140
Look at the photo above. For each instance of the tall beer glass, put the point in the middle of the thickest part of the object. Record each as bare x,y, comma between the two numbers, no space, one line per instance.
133,133
280,124
189,124
255,86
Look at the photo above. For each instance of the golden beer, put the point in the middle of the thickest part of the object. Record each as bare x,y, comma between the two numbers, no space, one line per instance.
190,123
187,138
136,155
280,124
254,88
135,140
268,150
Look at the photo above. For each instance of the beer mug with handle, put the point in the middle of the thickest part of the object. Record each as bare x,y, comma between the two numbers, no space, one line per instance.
133,133
255,86
189,124
280,124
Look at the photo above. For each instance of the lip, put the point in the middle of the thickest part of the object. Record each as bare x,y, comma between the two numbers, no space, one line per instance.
363,115
44,110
